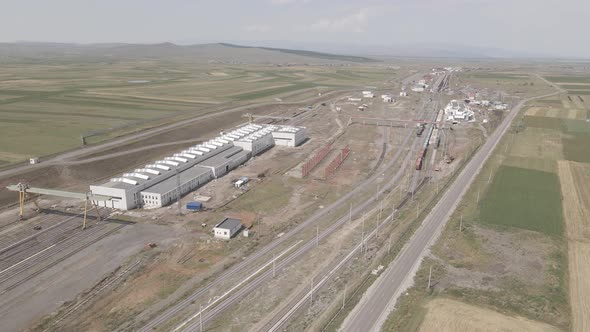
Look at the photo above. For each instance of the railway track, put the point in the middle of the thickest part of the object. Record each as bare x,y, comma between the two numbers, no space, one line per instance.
34,260
90,296
242,268
279,320
194,325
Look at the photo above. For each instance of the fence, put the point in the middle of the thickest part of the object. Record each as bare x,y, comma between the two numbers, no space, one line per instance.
336,162
313,162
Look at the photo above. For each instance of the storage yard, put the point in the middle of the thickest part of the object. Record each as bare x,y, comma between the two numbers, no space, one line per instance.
267,223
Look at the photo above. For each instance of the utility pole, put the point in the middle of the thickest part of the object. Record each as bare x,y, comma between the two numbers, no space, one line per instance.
490,177
311,292
389,246
461,224
178,191
363,234
429,277
418,210
478,196
350,213
344,297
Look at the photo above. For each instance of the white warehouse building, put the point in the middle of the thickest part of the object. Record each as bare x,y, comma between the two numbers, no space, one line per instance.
156,184
289,136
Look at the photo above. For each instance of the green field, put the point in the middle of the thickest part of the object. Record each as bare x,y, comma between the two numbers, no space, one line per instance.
568,79
574,86
578,92
46,106
497,76
576,147
523,198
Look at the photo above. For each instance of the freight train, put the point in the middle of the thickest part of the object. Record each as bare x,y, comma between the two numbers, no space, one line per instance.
420,159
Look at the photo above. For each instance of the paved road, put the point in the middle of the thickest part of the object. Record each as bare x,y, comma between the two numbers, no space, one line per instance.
376,304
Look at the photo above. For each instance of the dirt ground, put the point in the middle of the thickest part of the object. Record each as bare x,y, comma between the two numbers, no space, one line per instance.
574,178
78,177
453,316
195,255
502,256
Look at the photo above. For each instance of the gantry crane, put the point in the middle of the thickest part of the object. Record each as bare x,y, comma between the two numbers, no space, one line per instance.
23,190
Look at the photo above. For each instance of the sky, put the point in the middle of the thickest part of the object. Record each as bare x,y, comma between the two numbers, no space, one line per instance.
547,27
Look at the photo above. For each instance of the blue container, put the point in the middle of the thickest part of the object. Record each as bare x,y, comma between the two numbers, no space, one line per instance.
196,206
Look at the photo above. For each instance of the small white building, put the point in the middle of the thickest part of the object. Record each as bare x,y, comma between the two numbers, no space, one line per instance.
368,94
34,161
403,94
227,228
387,99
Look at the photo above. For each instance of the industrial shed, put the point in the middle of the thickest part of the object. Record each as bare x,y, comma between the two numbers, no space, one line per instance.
166,191
289,136
156,184
227,228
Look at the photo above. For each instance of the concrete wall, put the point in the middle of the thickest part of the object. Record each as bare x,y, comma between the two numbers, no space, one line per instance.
291,139
123,199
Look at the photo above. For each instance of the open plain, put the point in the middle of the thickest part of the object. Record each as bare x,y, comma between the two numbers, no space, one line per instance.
314,246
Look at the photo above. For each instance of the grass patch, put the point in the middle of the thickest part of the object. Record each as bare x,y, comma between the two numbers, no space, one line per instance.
543,122
578,92
568,79
273,91
575,86
564,125
552,102
523,198
576,147
498,76
265,198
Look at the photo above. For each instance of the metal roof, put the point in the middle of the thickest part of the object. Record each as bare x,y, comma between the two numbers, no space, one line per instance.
229,223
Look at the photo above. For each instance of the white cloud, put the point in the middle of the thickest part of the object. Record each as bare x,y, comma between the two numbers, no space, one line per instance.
355,22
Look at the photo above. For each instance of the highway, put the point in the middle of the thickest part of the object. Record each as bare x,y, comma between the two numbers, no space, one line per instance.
379,300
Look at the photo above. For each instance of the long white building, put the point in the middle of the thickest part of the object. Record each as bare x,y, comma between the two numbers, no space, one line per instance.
157,184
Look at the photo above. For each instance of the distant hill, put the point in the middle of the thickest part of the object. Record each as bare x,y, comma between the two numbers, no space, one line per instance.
217,52
312,54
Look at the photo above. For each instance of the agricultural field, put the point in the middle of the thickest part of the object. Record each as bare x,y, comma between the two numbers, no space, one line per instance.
491,84
453,316
517,248
47,107
574,178
523,198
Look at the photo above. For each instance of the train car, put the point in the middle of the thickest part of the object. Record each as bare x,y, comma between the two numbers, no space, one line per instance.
419,163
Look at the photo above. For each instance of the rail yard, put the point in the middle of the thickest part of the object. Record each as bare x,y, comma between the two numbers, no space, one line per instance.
286,210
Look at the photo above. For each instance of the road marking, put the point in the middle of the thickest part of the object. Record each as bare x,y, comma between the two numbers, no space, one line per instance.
26,259
183,324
